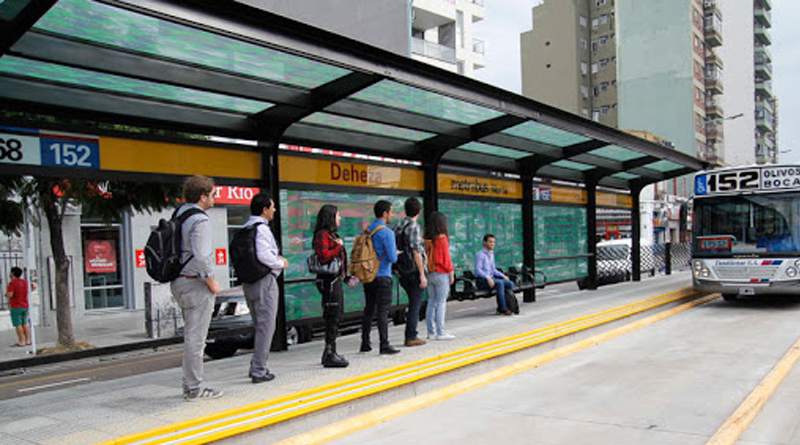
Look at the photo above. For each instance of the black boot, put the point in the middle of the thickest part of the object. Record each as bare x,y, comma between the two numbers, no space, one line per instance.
330,359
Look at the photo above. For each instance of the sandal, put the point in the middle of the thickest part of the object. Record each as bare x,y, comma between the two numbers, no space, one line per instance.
17,345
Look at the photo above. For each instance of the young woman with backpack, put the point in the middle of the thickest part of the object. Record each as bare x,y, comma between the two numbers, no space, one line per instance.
440,274
328,246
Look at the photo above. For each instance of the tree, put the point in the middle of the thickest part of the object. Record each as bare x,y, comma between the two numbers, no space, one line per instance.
105,199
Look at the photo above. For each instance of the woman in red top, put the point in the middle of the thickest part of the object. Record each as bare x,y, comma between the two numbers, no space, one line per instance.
328,246
440,274
17,294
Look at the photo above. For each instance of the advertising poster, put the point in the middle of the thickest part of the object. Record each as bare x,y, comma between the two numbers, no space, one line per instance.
101,256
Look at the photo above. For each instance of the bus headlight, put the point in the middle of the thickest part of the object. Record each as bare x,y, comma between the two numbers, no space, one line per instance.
701,270
791,272
705,273
797,263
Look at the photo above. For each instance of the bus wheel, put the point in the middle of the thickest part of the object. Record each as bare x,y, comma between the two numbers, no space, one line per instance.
729,297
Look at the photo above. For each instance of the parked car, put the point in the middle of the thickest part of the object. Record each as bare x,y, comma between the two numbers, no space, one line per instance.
231,326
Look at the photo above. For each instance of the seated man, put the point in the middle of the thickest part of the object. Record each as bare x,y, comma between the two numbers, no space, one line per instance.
488,277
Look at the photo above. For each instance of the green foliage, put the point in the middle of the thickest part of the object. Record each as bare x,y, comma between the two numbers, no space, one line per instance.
10,208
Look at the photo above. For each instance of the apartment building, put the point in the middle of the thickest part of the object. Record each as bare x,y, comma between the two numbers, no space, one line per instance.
438,32
660,67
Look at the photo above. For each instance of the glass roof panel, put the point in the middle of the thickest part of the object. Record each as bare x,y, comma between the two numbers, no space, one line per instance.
572,165
625,176
617,153
663,166
542,133
396,95
120,28
120,84
347,123
10,9
494,150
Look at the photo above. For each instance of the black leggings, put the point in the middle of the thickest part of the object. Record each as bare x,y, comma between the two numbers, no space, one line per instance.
332,305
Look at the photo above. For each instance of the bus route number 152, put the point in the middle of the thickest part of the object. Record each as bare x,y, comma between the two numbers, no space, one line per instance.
733,181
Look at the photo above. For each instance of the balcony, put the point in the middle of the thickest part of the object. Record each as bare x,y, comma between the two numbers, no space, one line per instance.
763,69
766,4
433,50
762,53
712,58
714,154
713,28
764,88
762,35
763,16
711,7
765,140
713,81
714,131
714,108
764,121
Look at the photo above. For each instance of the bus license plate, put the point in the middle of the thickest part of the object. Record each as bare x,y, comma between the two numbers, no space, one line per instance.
747,291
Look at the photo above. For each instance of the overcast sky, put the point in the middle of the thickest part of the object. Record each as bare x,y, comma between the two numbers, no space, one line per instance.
506,19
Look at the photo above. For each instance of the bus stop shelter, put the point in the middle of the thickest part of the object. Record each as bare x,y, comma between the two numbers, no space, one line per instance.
229,70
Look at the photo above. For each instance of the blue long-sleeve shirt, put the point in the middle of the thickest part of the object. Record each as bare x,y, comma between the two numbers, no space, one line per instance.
484,265
385,247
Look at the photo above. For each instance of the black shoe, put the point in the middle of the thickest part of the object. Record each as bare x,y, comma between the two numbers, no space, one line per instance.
266,378
389,350
334,360
365,347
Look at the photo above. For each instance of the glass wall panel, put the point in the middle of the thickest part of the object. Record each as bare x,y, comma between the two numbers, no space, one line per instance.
560,232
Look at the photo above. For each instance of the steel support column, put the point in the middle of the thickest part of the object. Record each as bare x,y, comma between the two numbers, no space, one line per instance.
528,233
591,232
636,234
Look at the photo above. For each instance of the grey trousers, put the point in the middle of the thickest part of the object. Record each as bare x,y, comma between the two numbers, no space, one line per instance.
262,299
197,303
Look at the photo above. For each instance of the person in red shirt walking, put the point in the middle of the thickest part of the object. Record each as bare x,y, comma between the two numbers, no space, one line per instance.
17,294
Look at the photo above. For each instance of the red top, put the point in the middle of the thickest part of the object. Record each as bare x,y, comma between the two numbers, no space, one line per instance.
441,255
327,248
19,288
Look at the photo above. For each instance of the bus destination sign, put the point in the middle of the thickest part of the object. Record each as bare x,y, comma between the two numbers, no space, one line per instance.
777,178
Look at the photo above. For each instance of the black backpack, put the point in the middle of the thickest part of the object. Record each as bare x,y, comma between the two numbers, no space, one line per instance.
162,253
243,255
405,264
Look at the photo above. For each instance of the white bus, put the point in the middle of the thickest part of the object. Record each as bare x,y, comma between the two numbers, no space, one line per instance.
746,231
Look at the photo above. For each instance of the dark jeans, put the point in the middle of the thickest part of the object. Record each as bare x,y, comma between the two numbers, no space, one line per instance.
410,283
503,287
378,299
332,305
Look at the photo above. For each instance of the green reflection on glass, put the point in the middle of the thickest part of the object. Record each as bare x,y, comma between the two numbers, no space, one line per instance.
494,150
623,175
10,8
572,165
347,123
117,27
110,82
560,231
663,166
547,135
616,153
396,95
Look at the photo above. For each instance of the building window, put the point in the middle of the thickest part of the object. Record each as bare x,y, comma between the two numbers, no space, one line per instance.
584,91
594,68
584,45
594,45
604,109
584,68
604,86
596,114
601,2
595,23
603,63
595,92
585,113
603,41
582,21
604,19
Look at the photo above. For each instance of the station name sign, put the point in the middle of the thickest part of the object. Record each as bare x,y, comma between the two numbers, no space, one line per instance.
751,179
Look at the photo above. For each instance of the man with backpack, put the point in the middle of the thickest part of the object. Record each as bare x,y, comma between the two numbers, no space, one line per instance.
262,294
410,266
195,289
378,292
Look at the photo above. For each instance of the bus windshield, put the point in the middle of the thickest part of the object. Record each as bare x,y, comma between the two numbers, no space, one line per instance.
747,224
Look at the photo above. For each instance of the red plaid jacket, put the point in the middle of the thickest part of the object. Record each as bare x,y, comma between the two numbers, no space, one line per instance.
327,248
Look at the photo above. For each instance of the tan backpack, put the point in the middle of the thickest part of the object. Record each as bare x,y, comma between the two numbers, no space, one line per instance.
364,262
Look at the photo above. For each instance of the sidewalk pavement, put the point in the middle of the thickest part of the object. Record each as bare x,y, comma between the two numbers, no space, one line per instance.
101,411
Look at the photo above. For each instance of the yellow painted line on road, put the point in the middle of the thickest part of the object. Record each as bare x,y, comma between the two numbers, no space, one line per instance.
736,424
260,414
357,423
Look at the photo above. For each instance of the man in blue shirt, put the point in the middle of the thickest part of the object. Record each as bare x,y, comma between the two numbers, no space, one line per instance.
488,277
378,293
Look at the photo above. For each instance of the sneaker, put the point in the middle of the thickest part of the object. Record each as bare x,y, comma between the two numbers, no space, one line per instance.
414,342
268,377
201,394
445,337
389,350
431,336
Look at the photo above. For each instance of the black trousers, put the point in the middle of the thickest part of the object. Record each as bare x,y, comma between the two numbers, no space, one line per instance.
332,305
378,296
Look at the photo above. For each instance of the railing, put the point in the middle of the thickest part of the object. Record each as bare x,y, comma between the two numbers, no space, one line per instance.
433,50
7,261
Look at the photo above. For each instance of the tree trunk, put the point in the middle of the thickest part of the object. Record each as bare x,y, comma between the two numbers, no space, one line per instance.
66,337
